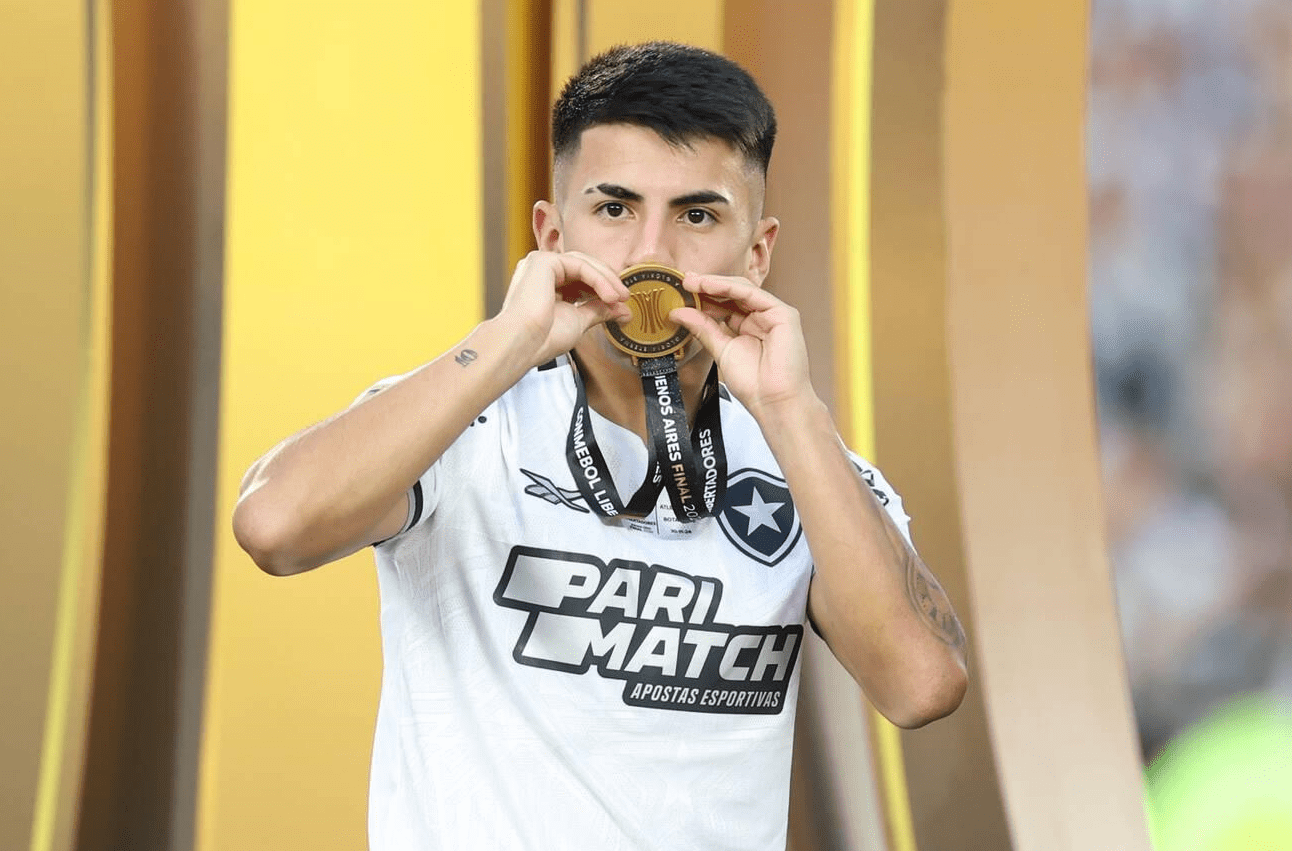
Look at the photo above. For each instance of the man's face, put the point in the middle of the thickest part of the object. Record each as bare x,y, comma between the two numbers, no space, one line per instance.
626,197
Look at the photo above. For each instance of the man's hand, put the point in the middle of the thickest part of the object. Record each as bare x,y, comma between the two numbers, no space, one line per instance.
874,601
343,483
758,345
554,298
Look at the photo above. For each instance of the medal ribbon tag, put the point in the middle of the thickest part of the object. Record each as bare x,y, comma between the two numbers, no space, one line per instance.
667,426
691,465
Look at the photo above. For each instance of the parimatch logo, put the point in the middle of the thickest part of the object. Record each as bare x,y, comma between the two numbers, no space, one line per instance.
648,625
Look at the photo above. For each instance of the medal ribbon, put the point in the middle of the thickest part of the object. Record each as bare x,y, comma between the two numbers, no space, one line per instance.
691,464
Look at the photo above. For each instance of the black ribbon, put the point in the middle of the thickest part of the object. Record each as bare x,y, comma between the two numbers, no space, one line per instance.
691,464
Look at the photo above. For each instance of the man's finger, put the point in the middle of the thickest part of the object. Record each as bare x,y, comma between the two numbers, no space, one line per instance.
603,281
594,312
712,335
737,290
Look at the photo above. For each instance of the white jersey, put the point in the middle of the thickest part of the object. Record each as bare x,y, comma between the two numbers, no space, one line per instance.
556,681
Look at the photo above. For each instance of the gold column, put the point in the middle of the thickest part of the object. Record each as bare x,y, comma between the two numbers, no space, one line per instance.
63,751
516,67
954,793
45,367
167,179
1049,655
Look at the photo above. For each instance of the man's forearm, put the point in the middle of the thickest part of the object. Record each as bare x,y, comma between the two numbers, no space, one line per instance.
879,607
329,490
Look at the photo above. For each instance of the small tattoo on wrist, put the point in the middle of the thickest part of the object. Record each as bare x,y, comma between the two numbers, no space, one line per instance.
465,357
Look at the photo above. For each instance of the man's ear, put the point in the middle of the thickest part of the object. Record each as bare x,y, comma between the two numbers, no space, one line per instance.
760,253
547,227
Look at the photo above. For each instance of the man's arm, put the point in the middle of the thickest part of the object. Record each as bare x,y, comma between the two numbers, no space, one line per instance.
879,608
341,484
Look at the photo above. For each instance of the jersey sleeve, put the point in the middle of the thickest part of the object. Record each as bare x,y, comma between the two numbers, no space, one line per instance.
424,493
884,492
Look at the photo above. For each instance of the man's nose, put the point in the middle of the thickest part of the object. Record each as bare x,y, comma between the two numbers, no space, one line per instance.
653,244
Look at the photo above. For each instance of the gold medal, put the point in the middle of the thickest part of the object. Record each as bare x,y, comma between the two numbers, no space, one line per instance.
653,291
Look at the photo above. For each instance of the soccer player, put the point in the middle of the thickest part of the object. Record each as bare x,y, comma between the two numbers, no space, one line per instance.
595,561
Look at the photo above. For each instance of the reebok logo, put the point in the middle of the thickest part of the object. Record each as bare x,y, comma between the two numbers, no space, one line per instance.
547,490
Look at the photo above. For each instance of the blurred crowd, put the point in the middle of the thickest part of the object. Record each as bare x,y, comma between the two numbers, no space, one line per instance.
1190,163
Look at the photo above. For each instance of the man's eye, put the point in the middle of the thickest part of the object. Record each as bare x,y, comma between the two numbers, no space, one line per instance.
699,217
614,209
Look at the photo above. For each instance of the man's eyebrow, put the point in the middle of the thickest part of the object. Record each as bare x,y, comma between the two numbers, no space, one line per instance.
614,191
705,196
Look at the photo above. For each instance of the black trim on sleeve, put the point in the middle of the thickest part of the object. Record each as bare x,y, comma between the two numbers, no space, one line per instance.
417,505
416,494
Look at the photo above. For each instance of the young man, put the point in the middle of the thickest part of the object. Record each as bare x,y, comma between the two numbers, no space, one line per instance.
570,663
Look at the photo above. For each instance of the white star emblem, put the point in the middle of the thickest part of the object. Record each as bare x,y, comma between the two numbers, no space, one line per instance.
760,513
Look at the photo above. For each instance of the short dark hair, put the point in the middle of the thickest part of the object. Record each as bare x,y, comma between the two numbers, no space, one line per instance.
681,92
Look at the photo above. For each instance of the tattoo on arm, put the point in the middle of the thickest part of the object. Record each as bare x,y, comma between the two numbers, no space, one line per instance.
465,357
931,603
